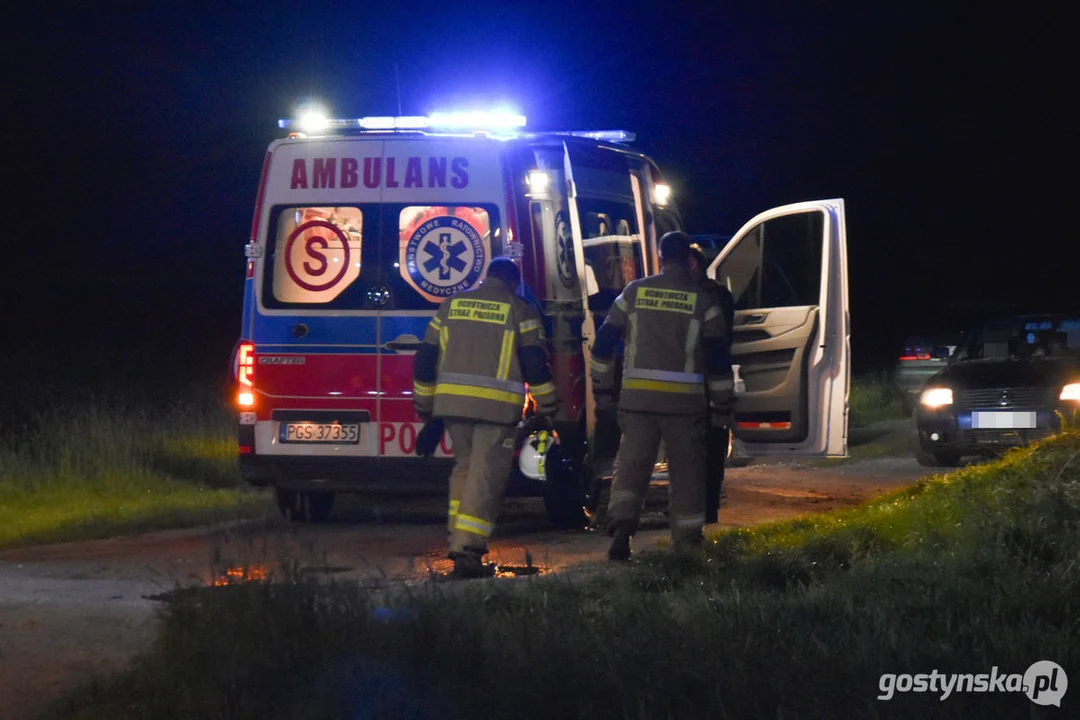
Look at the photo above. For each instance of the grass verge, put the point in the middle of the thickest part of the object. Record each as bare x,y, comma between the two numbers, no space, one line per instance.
959,573
874,397
87,466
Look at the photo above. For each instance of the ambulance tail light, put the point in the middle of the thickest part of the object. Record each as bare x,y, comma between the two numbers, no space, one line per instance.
245,375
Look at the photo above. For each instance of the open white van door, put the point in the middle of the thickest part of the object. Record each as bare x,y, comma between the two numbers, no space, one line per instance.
787,273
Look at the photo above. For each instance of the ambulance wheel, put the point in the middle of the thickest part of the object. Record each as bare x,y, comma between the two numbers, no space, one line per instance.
298,506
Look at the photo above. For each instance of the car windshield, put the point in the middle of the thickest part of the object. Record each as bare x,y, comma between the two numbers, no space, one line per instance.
1023,338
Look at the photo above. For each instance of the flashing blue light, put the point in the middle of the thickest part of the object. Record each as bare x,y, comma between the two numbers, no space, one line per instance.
311,122
615,136
476,120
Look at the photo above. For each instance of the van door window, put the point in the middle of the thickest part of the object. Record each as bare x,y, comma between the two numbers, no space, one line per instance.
443,250
315,253
777,264
612,242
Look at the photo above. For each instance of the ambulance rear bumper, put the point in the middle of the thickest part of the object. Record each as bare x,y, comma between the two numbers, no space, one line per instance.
421,476
347,474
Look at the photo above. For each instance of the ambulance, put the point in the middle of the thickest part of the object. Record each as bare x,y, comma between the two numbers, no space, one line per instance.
363,226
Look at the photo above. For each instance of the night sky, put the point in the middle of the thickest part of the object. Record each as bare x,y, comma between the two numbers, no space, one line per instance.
137,133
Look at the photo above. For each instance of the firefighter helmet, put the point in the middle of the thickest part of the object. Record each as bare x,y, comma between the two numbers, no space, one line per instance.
536,453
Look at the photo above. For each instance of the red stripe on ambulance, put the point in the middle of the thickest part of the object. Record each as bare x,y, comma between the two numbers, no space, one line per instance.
399,440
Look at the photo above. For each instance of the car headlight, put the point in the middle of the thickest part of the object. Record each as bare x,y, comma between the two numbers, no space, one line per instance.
1070,392
936,397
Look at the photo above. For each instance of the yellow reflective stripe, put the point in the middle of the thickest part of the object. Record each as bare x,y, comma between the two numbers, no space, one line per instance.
631,343
542,389
665,375
529,326
423,389
475,525
661,386
691,345
504,355
435,323
444,338
454,505
480,392
621,303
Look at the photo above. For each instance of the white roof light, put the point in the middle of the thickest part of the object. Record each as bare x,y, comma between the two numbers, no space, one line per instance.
538,181
661,194
314,120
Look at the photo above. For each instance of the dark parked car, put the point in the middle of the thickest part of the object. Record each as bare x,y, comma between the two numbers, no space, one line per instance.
1011,381
920,359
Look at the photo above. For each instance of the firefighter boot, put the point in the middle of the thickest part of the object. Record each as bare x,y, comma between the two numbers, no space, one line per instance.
469,564
621,531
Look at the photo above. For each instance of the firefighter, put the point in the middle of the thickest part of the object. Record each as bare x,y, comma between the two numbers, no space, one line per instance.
718,435
672,374
479,351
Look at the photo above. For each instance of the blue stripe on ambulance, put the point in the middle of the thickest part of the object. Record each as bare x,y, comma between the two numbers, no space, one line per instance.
322,331
394,326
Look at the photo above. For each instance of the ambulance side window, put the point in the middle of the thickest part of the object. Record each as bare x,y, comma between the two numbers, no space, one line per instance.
612,243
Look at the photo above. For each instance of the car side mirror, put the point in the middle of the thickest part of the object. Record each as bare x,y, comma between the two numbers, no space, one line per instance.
591,286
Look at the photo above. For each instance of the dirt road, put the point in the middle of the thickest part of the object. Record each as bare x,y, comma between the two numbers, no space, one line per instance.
71,611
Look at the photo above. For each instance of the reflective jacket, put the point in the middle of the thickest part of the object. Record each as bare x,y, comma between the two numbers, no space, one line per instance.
675,338
480,350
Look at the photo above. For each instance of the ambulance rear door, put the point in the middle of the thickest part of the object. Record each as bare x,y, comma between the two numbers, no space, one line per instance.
315,328
442,222
787,272
613,245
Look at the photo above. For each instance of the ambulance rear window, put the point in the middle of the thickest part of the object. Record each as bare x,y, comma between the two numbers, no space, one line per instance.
375,256
315,253
443,250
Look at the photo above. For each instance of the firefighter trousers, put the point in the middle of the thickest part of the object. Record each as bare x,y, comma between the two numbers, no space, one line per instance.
482,456
684,437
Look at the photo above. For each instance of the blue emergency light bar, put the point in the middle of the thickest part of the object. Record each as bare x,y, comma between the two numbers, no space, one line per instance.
460,121
313,122
614,136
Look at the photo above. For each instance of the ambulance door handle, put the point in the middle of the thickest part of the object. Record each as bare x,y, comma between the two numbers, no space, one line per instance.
300,330
755,319
404,343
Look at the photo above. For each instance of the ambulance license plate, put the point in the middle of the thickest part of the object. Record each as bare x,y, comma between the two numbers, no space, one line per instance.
334,433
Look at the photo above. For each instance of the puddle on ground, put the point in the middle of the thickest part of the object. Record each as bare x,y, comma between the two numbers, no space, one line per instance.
517,570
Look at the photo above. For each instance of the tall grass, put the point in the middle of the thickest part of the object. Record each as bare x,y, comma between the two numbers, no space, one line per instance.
874,397
84,465
959,573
